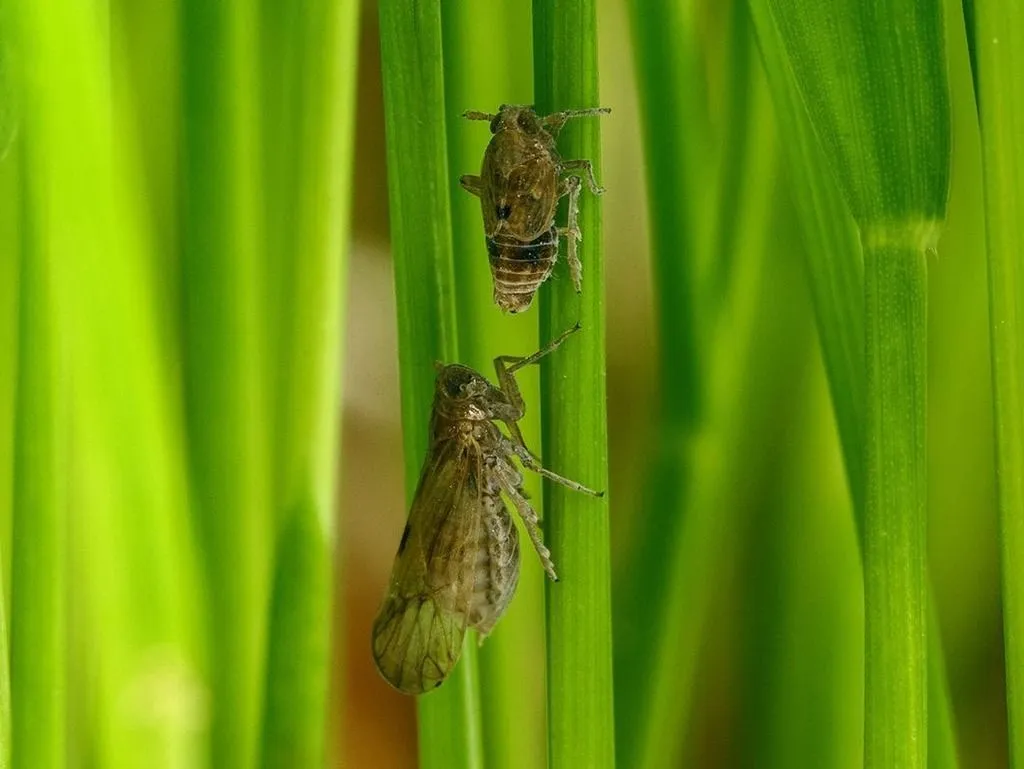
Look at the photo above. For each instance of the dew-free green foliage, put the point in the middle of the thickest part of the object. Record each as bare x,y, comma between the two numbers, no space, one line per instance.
38,538
154,347
482,76
581,729
878,101
421,239
996,34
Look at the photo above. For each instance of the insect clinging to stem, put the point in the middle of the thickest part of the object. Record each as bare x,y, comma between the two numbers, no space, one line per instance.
457,564
520,183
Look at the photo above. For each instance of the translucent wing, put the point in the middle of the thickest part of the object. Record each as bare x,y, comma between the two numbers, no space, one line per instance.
417,636
519,182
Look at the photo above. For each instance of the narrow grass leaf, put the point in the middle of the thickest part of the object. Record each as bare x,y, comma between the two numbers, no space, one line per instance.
8,91
11,208
225,357
879,104
134,565
664,52
834,265
38,558
421,243
996,30
309,127
581,728
482,76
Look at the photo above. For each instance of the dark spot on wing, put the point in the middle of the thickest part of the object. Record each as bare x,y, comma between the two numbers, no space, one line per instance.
503,212
405,538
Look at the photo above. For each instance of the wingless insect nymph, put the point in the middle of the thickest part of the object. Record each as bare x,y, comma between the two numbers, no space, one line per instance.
519,186
458,560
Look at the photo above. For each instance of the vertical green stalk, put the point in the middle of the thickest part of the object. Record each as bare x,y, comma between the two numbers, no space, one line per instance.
581,729
873,80
133,562
482,73
834,266
38,600
10,212
10,245
224,357
996,31
664,52
418,187
896,720
309,92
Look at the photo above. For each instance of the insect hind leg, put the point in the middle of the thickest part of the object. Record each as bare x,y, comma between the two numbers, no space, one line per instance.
511,488
572,232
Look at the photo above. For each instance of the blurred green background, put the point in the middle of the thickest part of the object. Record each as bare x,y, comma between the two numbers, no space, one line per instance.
200,411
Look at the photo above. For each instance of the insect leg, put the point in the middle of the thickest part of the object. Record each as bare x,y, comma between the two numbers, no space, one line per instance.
472,114
471,184
505,366
588,170
530,462
572,232
510,486
554,122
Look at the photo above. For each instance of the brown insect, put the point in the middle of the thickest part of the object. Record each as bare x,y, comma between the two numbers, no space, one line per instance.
519,186
458,560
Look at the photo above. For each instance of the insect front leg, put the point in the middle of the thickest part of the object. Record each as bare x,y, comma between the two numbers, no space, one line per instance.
572,232
473,184
472,114
554,122
587,169
505,366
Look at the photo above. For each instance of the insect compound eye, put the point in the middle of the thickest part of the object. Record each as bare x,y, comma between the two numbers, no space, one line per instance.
454,388
495,123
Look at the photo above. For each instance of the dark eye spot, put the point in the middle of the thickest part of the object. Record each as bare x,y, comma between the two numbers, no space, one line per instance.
503,212
405,538
495,124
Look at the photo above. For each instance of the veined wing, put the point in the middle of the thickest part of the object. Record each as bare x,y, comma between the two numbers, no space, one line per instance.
516,174
417,636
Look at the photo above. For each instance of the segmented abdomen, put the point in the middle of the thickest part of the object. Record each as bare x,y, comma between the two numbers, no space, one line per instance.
519,268
496,565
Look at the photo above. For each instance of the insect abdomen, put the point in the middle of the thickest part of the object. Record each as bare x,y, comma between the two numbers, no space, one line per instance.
519,268
496,571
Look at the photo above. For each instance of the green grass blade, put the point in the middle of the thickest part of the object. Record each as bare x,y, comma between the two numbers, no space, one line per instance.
11,205
38,558
581,728
9,117
309,91
418,187
10,212
133,563
482,76
224,349
896,719
10,209
875,98
879,104
833,261
997,34
664,51
835,269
